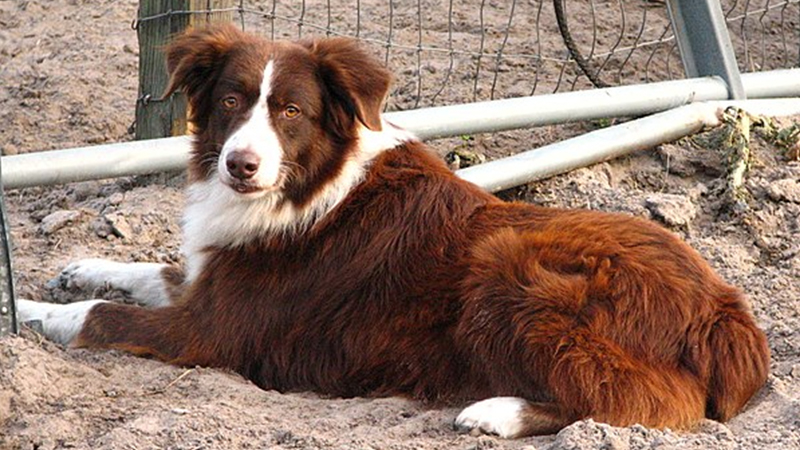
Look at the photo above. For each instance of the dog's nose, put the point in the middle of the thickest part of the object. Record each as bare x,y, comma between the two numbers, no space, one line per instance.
242,164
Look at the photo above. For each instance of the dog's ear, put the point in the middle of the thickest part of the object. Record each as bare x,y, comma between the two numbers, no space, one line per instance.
195,58
353,77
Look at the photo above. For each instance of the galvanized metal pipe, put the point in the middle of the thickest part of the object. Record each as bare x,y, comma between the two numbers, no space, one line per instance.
636,100
157,155
96,162
772,83
612,142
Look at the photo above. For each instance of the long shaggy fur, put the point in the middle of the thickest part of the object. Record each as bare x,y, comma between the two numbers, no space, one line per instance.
420,284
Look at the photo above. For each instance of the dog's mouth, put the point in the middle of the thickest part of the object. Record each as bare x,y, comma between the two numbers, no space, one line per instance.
245,188
252,189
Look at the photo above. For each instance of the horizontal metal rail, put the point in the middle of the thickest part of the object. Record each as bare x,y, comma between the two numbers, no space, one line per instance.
612,142
636,100
158,155
96,162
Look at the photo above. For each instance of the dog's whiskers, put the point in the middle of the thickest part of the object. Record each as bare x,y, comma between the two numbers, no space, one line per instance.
291,171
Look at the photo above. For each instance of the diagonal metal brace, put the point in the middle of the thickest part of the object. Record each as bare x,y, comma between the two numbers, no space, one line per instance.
704,42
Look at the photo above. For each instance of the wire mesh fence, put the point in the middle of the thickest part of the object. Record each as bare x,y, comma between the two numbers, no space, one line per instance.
448,51
765,33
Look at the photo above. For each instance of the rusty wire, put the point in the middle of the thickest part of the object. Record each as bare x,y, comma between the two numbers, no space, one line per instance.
444,52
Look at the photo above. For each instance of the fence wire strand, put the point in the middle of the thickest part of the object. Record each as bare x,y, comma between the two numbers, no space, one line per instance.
443,51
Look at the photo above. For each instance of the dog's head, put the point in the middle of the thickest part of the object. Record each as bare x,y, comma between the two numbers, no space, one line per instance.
274,117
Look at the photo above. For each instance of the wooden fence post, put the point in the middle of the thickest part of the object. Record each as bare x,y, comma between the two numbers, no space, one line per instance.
158,22
226,15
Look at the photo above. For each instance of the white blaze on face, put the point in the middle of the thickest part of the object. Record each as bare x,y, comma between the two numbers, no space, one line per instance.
218,216
258,136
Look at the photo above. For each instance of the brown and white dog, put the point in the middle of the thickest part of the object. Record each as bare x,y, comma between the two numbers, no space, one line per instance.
328,250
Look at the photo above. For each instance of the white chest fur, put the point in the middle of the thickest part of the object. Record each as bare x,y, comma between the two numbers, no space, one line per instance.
217,216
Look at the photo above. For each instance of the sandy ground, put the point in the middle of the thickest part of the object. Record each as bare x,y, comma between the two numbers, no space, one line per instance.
69,70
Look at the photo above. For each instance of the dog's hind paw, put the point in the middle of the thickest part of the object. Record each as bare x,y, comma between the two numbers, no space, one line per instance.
511,417
502,416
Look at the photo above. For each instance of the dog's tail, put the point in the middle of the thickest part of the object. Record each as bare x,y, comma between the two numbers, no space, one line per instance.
737,355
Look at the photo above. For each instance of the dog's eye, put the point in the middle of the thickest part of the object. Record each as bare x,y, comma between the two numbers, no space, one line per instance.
230,102
291,111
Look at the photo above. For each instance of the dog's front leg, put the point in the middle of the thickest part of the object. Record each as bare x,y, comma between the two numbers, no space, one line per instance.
162,333
59,323
148,284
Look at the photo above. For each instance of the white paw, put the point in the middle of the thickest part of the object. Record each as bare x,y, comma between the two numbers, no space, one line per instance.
60,323
498,415
140,281
86,274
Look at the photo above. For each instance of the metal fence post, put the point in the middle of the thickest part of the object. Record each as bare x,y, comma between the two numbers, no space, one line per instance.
704,43
8,310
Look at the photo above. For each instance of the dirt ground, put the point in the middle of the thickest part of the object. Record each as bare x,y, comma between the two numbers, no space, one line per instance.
69,78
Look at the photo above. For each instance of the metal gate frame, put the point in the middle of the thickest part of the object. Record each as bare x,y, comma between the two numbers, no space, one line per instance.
704,43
